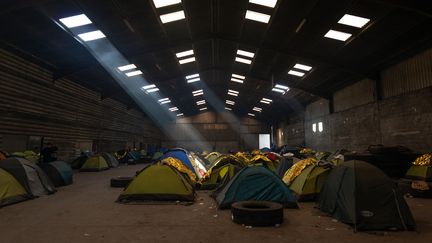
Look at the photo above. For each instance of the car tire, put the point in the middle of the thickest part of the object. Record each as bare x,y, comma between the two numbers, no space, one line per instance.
257,213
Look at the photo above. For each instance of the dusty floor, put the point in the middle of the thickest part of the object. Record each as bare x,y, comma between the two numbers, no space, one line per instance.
86,212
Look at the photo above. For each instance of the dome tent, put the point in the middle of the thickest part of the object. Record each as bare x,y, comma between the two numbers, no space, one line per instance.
11,190
360,194
158,182
31,177
254,183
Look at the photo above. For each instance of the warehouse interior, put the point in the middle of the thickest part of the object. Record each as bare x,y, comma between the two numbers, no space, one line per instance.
243,78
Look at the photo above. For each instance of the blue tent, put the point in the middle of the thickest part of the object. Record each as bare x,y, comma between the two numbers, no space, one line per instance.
181,155
60,173
255,183
265,150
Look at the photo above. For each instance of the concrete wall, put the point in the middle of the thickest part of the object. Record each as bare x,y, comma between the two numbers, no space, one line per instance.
71,116
220,132
402,117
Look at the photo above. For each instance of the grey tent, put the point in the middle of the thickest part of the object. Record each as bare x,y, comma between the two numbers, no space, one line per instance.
30,176
110,159
359,194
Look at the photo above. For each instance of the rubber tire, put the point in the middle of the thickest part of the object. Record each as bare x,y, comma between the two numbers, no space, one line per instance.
257,213
121,181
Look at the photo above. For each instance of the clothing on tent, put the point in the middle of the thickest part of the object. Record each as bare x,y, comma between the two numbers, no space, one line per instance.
95,163
11,190
159,182
360,194
31,177
60,173
254,183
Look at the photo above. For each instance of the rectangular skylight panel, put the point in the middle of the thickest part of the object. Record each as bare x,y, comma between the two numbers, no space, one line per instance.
265,102
302,67
164,99
152,90
173,109
237,80
126,67
251,114
353,20
171,17
268,100
198,94
165,102
193,80
197,91
230,102
283,87
164,3
245,53
196,75
242,60
296,73
278,90
259,17
181,114
227,108
202,109
265,3
150,86
134,73
257,109
238,76
187,60
184,53
233,91
75,21
338,35
201,102
93,35
233,94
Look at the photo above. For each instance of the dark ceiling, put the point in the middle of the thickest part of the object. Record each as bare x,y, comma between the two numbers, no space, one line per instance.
215,29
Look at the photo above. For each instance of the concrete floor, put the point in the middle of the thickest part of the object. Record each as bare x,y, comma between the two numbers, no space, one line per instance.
86,212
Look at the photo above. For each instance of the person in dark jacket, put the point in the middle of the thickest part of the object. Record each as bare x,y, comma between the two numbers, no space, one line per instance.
48,153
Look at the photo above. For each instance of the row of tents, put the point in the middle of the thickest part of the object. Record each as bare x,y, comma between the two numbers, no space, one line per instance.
354,192
22,180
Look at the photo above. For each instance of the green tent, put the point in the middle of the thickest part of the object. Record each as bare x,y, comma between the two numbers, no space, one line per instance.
157,155
158,182
11,190
224,166
254,183
419,172
308,184
359,194
95,163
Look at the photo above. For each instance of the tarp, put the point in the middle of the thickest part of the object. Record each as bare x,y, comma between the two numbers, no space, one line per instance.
360,194
255,183
158,182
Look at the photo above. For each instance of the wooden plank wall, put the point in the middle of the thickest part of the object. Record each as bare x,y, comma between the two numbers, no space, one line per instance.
64,112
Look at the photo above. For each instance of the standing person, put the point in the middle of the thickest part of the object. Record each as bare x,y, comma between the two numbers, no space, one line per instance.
48,153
